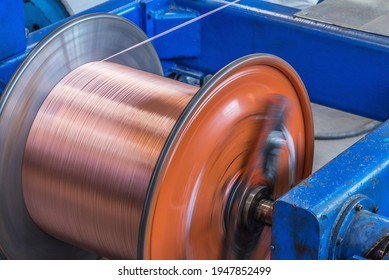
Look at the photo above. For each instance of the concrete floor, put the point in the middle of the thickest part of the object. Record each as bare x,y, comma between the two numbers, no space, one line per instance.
328,120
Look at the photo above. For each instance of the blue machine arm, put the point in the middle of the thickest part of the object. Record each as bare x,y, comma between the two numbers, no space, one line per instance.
341,211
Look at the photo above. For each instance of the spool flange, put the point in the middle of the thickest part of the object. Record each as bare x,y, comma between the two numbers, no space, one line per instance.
208,152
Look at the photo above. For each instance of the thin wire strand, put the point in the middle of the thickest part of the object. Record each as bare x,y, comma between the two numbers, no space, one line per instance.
172,29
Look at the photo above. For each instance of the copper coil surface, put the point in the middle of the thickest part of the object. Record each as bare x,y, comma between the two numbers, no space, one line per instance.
91,152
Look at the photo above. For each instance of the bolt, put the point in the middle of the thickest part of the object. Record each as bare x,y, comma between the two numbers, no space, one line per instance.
359,207
375,209
339,241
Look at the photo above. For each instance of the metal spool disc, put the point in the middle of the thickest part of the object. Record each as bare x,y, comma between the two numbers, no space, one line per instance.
209,150
79,41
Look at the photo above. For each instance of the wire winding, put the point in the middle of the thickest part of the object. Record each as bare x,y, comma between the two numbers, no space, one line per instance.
91,151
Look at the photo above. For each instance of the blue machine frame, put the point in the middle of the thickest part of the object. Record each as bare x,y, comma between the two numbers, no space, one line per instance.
341,68
341,211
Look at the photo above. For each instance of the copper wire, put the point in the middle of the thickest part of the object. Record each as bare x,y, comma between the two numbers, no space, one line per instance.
91,152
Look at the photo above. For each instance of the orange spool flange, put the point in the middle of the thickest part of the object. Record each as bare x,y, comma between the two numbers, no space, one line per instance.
208,151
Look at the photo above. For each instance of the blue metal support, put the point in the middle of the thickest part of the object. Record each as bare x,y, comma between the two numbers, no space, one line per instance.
184,42
342,68
336,207
159,16
12,33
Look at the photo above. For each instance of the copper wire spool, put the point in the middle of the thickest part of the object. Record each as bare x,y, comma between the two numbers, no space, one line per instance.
94,145
91,152
128,164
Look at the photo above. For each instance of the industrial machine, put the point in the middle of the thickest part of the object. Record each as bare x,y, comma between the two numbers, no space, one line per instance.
195,143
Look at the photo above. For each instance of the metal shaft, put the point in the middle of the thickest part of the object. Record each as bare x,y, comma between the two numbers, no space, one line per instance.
264,212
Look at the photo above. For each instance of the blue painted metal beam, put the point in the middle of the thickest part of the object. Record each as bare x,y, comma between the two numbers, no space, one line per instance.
313,218
12,33
342,68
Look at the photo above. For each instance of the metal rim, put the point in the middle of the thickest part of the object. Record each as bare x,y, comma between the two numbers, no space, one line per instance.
87,38
146,243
